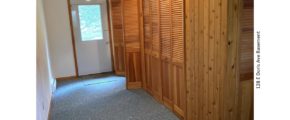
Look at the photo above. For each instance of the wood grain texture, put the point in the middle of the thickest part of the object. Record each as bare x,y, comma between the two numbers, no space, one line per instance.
147,26
217,64
246,99
246,65
213,32
215,55
164,51
117,35
247,41
132,39
177,59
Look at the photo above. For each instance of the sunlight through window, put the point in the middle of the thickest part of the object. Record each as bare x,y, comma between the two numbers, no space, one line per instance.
90,22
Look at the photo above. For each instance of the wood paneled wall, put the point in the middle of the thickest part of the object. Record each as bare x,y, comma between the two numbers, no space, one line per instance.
164,52
127,39
201,71
117,30
217,56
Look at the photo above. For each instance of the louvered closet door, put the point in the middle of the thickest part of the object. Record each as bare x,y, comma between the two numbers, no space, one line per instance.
117,36
178,56
155,54
132,43
147,44
166,52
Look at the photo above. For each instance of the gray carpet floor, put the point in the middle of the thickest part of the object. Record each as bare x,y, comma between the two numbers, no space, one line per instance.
104,98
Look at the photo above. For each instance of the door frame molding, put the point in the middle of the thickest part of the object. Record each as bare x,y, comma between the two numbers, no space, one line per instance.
73,37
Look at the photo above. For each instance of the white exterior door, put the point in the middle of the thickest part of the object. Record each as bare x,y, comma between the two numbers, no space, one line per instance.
91,33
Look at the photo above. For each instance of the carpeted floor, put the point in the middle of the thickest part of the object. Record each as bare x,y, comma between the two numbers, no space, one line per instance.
104,98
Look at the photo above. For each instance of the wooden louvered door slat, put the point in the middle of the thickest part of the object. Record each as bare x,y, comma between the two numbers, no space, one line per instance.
165,26
147,27
177,34
155,22
177,31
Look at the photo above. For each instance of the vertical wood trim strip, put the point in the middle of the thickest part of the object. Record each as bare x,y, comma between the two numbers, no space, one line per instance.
185,21
141,26
187,35
73,38
110,34
125,48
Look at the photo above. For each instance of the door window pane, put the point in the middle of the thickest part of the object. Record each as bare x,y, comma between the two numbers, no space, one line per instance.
90,22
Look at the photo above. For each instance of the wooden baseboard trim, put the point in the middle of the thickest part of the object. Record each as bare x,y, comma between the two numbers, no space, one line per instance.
120,73
134,85
67,78
179,112
168,103
149,91
157,97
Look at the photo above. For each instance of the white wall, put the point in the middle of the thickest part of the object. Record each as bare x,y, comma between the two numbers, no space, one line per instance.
45,83
59,38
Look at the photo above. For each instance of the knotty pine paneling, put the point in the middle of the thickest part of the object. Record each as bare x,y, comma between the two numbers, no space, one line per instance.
217,49
205,58
117,36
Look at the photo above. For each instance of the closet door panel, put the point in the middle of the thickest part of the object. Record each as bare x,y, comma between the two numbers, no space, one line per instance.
177,44
166,51
118,36
132,43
